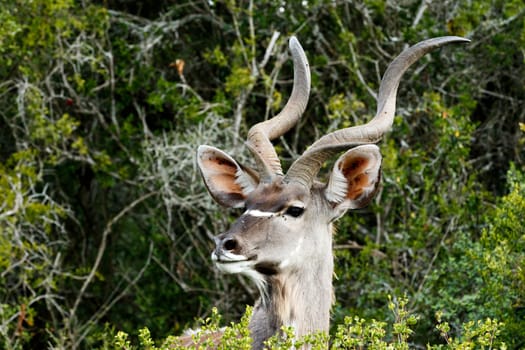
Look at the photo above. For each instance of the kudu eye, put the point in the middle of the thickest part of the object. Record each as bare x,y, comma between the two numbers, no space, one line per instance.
294,211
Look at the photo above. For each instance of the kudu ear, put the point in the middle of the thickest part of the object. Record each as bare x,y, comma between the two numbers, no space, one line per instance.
227,181
355,178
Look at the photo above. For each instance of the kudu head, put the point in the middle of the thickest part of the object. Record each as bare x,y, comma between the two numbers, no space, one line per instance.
287,220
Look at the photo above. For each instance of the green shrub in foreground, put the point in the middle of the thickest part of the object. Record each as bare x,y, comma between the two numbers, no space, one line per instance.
353,333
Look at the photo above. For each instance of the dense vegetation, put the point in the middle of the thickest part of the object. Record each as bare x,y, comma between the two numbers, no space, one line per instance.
105,225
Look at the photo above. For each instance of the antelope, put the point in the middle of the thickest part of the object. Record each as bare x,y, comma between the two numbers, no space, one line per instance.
283,240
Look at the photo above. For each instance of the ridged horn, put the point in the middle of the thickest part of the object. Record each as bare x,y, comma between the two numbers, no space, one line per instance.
260,135
305,169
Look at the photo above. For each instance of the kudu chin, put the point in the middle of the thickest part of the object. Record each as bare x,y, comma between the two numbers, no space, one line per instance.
283,240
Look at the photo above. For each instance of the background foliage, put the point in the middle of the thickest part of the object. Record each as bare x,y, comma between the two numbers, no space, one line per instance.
105,224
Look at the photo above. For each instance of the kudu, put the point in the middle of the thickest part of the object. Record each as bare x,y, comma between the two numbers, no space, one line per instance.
283,240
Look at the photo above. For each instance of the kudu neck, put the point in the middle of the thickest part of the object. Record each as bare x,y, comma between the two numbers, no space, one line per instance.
300,297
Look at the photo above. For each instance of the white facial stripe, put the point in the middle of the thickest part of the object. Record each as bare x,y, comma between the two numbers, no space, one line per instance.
296,204
259,214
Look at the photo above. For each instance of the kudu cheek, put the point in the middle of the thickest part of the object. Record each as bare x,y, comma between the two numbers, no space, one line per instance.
293,256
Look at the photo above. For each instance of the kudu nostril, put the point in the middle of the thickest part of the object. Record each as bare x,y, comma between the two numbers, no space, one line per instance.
230,244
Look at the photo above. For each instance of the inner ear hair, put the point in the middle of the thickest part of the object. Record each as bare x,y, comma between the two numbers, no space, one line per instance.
355,177
225,179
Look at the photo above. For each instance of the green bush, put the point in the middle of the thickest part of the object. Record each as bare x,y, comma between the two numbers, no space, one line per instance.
354,333
484,278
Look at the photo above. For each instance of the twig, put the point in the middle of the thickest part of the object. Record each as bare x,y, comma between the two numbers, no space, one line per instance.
422,7
102,249
362,80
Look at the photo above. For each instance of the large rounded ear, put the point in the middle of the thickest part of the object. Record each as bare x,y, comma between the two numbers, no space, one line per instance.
227,181
355,178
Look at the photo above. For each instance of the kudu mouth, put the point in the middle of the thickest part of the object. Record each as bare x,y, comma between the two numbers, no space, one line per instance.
229,262
233,264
